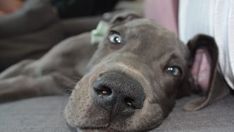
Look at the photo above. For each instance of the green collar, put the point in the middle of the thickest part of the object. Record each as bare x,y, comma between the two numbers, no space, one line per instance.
99,33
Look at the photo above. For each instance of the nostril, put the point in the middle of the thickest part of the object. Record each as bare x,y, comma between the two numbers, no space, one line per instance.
118,93
129,102
103,90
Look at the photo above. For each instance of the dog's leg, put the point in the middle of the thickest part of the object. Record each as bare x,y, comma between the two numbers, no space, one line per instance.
21,87
15,70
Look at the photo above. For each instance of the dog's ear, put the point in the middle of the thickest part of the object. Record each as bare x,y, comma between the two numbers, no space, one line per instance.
203,67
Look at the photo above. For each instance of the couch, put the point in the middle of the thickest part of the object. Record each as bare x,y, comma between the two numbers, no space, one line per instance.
45,114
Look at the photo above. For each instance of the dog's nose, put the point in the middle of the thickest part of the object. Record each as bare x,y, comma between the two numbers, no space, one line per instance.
118,93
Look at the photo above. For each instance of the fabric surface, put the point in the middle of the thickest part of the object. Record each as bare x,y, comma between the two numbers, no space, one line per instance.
45,114
214,18
217,117
34,115
165,12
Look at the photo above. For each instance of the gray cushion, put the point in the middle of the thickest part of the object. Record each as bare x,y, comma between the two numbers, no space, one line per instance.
218,117
45,114
34,115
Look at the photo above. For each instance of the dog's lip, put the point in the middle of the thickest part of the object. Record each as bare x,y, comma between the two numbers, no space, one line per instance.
107,129
101,127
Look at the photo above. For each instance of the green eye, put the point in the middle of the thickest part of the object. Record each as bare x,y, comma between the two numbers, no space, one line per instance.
115,38
174,71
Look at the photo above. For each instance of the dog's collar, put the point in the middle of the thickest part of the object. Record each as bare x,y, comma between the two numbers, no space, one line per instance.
98,34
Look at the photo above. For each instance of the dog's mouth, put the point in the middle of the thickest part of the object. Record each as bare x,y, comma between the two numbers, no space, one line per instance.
104,128
99,129
92,128
103,125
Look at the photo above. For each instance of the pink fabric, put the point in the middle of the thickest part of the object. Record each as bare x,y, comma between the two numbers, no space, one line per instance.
165,12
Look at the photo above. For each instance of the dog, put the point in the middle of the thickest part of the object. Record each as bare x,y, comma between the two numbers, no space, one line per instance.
129,82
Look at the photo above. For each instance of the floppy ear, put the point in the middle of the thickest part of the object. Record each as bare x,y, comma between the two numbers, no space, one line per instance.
206,78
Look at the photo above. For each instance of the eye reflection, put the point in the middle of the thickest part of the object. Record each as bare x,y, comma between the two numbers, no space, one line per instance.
115,38
174,71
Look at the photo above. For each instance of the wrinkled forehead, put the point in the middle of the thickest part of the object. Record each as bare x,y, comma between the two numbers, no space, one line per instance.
148,32
146,29
152,37
143,23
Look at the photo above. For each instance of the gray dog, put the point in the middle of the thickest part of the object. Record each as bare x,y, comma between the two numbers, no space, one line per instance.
129,82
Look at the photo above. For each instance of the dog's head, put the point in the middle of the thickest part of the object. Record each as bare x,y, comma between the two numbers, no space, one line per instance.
136,74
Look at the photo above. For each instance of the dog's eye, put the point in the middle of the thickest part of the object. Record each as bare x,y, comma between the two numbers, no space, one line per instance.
174,70
115,38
